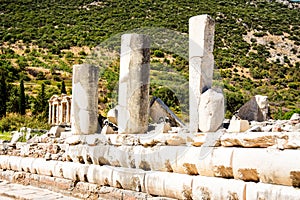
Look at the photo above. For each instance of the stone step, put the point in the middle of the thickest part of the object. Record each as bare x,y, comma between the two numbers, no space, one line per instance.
164,184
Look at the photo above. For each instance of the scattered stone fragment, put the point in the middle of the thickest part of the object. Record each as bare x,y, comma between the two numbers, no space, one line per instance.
55,131
211,111
112,115
237,126
276,128
107,130
295,118
255,129
262,102
16,136
159,110
251,111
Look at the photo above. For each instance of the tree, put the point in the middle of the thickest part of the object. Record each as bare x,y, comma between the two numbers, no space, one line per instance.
22,100
63,88
40,103
3,93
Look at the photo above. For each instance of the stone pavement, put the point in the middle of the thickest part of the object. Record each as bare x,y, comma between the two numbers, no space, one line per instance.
10,191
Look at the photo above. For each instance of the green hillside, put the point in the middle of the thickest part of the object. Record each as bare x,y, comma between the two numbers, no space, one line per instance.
256,48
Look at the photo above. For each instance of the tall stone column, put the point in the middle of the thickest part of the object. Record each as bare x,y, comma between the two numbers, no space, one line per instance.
85,99
201,63
133,112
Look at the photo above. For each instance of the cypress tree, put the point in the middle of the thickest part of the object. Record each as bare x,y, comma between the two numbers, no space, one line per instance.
22,106
63,88
42,97
3,93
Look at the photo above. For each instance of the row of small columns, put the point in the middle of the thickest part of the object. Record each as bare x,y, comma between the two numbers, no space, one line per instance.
59,112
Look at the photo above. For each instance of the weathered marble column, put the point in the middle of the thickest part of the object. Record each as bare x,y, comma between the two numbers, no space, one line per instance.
85,99
133,113
68,113
201,63
50,114
53,114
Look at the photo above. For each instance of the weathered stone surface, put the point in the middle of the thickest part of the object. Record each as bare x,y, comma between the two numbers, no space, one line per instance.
16,136
295,117
251,111
215,162
112,115
107,130
101,175
85,99
133,111
201,63
262,102
211,111
172,185
56,131
279,140
14,163
43,167
159,110
217,188
271,191
237,126
129,179
266,165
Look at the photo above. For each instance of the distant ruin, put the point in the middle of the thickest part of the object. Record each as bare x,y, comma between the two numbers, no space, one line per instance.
60,110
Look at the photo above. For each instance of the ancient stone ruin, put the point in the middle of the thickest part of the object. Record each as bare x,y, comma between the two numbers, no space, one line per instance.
60,110
132,159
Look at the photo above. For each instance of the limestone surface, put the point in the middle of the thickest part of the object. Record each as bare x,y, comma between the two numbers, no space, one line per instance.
133,112
237,126
201,63
85,99
211,111
251,111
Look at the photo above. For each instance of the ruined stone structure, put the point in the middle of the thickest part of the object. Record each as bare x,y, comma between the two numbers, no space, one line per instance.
85,99
250,160
134,84
60,110
206,110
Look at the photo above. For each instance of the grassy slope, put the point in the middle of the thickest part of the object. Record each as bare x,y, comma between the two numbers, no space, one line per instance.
244,64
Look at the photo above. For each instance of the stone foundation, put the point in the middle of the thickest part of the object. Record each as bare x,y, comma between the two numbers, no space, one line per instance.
145,166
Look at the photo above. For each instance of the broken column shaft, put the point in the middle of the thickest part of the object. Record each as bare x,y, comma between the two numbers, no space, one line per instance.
201,66
85,99
133,113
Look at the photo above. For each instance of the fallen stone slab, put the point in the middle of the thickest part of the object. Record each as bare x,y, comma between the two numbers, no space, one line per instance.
158,110
238,126
251,111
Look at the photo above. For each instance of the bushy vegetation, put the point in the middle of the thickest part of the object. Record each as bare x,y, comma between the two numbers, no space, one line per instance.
36,39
